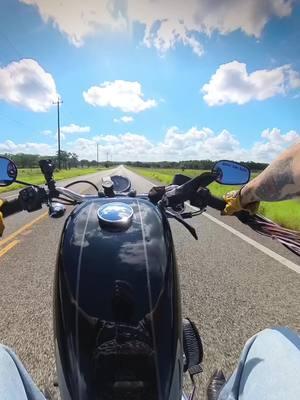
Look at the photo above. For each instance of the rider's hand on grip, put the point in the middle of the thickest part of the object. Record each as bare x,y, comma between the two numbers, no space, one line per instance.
30,198
234,204
156,193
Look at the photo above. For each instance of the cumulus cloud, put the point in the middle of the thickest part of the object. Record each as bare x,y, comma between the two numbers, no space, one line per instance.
73,128
176,145
25,83
46,132
80,20
126,119
43,149
127,146
166,22
231,83
179,145
125,95
272,143
197,144
67,130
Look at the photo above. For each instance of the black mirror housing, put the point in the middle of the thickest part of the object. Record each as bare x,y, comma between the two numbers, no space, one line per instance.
8,171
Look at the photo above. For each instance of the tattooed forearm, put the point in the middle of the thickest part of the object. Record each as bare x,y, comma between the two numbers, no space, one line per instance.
278,182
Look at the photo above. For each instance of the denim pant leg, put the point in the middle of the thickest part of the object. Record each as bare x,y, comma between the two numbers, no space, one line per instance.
268,369
15,382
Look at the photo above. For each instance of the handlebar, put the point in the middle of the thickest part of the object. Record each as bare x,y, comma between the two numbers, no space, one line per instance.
11,207
203,198
32,198
171,198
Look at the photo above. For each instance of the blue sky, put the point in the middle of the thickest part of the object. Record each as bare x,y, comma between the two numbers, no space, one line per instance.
151,80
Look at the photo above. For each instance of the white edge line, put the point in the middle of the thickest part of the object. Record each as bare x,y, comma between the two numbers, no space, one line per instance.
282,260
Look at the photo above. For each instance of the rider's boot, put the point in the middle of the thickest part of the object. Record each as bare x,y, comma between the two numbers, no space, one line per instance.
215,385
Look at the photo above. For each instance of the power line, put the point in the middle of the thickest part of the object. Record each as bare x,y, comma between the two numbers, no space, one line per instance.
18,122
11,44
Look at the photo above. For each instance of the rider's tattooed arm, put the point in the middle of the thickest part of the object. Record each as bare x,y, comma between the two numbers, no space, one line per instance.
279,181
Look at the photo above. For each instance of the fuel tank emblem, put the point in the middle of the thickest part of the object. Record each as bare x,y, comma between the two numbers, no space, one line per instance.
115,215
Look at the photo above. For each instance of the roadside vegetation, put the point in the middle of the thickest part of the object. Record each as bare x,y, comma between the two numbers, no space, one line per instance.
34,176
285,213
29,170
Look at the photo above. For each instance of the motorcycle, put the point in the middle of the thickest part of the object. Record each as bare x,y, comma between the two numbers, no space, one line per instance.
118,329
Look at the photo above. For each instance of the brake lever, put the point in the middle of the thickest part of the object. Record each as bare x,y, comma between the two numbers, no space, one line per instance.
179,218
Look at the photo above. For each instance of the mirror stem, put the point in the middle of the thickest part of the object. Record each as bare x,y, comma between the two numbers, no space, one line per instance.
26,184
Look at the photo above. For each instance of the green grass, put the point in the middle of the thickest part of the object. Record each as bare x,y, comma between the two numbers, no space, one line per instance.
285,213
35,176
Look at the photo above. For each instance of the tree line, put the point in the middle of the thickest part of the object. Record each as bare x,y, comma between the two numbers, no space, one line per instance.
68,160
71,160
192,164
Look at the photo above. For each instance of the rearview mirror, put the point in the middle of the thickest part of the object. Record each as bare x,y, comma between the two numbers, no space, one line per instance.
8,171
231,173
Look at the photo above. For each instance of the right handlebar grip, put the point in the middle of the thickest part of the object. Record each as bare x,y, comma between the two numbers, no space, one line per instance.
11,207
216,202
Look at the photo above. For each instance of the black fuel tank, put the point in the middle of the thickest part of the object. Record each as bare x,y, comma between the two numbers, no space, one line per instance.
117,314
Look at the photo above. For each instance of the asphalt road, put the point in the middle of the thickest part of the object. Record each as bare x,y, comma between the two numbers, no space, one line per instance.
230,288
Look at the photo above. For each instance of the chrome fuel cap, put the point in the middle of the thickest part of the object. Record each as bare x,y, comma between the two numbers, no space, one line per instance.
115,215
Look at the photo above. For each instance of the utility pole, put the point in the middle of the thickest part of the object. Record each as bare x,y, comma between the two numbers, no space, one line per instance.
97,154
58,103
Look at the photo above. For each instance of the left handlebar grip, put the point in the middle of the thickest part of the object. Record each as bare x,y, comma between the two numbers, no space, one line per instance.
11,207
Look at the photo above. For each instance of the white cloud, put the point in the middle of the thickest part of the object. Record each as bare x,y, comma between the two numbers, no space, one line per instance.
80,20
46,132
231,83
125,95
126,119
127,146
197,144
73,128
29,148
67,130
25,83
177,145
273,143
192,144
166,22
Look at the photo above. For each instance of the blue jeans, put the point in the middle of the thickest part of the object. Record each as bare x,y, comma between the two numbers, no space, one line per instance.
268,369
15,382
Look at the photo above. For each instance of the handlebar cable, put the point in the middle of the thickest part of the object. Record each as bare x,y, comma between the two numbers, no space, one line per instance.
82,181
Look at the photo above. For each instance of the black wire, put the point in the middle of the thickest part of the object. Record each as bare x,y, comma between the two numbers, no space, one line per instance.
83,181
11,44
66,201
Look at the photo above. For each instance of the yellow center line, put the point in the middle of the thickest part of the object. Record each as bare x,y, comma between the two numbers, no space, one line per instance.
22,229
8,247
